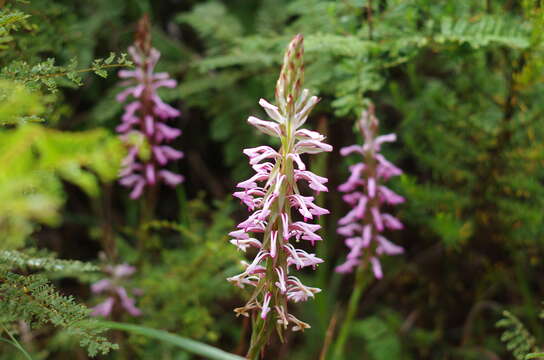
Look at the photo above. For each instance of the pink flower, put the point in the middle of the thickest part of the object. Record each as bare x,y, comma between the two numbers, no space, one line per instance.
366,195
143,128
117,293
275,200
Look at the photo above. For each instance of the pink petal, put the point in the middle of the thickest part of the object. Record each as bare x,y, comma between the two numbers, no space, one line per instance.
150,173
123,270
127,302
271,110
100,286
376,267
104,308
169,133
170,178
138,189
350,149
377,217
267,127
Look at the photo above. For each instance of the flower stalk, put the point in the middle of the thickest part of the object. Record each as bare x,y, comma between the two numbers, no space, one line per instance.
274,198
364,223
143,128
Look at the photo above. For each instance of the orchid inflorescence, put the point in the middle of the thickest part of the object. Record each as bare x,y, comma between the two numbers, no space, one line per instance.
365,194
271,195
143,125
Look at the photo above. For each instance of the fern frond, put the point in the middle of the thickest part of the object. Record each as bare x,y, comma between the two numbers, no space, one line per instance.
33,300
517,338
338,45
48,75
487,30
41,260
213,23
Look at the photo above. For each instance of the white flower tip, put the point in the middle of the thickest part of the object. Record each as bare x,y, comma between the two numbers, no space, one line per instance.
252,120
266,104
314,99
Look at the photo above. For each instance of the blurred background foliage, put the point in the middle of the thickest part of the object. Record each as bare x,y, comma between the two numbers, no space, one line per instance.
458,81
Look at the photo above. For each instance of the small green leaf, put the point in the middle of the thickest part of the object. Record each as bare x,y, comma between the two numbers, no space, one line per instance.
101,72
110,58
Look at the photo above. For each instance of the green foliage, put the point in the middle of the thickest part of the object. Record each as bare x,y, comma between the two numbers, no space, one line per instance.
33,259
483,31
532,72
48,75
33,162
458,81
516,337
18,104
11,20
33,300
194,258
381,342
351,55
188,345
217,34
347,56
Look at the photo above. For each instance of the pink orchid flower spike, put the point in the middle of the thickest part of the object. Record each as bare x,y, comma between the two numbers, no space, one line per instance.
364,223
275,201
143,128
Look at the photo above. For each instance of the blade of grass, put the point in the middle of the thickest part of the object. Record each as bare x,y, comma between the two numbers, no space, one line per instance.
188,345
15,343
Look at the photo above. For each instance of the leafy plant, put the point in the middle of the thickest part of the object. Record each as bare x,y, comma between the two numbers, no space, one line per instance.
516,337
35,161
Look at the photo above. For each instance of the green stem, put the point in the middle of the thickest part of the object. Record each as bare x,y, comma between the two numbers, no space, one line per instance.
360,285
259,337
369,18
15,343
147,213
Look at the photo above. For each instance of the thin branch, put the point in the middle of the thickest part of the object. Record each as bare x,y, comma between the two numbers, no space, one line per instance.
64,73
